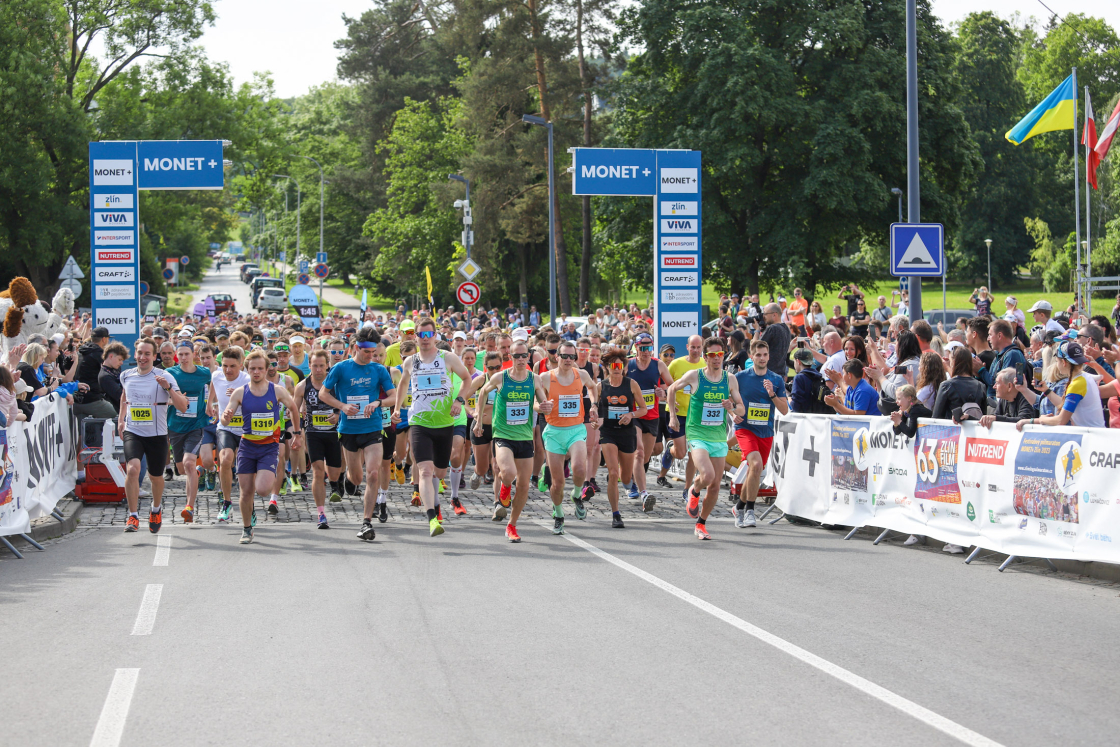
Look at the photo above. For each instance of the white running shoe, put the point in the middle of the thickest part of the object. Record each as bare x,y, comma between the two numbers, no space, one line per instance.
476,480
740,516
954,549
911,540
748,520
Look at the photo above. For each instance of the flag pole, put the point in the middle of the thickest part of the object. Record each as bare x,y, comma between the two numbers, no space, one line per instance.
1076,199
1088,220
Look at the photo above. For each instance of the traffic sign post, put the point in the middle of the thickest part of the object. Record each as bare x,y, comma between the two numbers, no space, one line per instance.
184,260
917,250
168,273
468,293
470,269
322,271
321,258
304,267
303,279
144,288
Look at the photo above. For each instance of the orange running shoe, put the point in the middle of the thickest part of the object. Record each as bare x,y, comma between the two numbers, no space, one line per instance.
132,524
457,505
439,513
188,514
155,521
693,505
702,532
415,495
511,533
503,495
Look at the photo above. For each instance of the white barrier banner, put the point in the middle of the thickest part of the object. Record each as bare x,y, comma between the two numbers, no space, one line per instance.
1045,492
39,465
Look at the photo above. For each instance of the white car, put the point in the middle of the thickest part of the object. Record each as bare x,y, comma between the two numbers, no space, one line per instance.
273,299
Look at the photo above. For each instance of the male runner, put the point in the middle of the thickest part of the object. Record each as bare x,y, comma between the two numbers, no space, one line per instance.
320,423
258,405
564,435
650,374
515,392
204,357
763,391
143,428
679,449
187,429
223,383
297,479
584,363
354,387
425,376
714,394
285,424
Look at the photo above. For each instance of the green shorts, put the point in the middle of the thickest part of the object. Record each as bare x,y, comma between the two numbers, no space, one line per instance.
715,449
558,439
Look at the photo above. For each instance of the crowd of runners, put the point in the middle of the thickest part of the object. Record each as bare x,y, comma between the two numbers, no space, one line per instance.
416,401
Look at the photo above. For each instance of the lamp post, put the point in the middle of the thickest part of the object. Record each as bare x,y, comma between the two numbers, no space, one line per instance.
898,193
540,122
989,243
321,182
913,185
299,194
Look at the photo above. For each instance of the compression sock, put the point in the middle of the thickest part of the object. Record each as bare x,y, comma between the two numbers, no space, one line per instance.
666,458
456,476
558,511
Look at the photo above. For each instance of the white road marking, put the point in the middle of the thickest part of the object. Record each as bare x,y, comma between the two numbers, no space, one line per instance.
146,617
110,726
908,707
163,550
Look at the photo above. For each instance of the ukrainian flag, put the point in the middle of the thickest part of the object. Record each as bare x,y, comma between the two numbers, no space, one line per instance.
1054,113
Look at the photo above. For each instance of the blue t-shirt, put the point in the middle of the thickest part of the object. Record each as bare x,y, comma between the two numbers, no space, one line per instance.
358,385
862,397
760,408
194,387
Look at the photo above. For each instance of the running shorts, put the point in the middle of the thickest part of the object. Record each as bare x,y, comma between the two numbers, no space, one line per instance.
520,449
558,439
674,435
209,436
460,430
626,439
715,449
228,440
189,442
431,445
389,441
253,457
152,447
324,447
749,441
650,426
359,441
486,437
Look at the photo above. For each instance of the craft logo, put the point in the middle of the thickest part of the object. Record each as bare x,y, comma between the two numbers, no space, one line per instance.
680,278
985,450
971,513
1104,459
111,273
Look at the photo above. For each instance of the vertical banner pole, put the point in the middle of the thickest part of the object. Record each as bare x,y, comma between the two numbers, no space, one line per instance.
1088,221
1076,198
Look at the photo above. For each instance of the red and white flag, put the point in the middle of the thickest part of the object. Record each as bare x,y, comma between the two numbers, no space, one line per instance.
1089,140
1103,144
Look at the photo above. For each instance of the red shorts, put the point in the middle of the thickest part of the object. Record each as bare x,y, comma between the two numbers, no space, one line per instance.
749,442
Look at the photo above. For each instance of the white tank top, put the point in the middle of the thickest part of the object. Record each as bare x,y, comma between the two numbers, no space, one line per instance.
430,387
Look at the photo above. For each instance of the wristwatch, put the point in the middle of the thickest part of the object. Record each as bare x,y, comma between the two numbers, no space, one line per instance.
460,400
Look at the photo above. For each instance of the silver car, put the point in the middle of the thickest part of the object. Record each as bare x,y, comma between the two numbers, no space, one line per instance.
273,299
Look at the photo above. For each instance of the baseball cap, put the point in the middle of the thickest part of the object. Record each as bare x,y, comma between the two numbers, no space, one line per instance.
297,339
954,345
99,333
1040,306
1072,352
221,332
459,335
520,335
408,325
665,347
159,332
972,411
804,355
643,338
185,334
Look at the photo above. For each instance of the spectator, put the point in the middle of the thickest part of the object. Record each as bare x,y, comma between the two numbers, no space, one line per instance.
976,338
839,321
109,379
902,307
1116,312
1042,311
776,336
924,333
9,410
905,418
1015,315
905,372
736,359
28,369
1081,406
961,388
570,332
834,356
1011,405
982,301
797,310
860,319
931,373
809,387
852,294
860,398
816,315
882,312
1091,338
1001,336
93,404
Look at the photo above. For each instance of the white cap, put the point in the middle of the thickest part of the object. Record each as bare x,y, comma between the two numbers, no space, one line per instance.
367,323
57,338
297,338
459,335
520,334
1040,306
954,344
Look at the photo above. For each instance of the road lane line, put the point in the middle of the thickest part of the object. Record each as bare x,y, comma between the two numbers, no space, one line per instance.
146,617
110,726
908,707
163,550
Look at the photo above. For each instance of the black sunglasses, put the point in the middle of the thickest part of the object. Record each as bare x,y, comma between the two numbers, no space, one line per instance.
568,356
519,356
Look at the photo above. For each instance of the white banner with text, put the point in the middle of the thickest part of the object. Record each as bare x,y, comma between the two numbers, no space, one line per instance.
38,462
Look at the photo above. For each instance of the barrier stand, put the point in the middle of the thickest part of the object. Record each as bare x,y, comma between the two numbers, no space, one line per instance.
852,533
881,537
776,519
972,556
11,547
57,514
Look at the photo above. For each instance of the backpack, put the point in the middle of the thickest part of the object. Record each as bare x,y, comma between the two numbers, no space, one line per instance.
819,389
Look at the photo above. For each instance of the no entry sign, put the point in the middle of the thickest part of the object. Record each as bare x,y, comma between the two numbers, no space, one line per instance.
468,293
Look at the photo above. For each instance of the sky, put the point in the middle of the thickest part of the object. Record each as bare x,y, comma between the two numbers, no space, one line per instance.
294,39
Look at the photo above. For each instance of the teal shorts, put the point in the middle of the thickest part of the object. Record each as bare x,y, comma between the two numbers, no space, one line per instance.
558,439
715,449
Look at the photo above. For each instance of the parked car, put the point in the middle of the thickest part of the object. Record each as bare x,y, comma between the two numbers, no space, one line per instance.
223,302
948,317
259,284
244,268
272,299
251,274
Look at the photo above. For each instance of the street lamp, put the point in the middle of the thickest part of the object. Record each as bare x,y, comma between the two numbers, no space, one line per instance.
540,122
989,243
898,193
298,200
321,182
468,234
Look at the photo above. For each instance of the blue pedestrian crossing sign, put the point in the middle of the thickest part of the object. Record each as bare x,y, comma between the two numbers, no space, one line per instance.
918,249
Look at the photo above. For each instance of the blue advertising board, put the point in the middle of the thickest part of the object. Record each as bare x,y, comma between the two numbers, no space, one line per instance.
677,275
614,171
181,164
306,303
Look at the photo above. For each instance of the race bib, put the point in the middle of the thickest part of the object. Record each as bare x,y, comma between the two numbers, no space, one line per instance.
517,414
141,413
567,405
472,402
236,421
615,412
649,396
408,401
687,389
263,425
429,382
361,402
321,420
758,413
192,408
386,413
490,397
712,415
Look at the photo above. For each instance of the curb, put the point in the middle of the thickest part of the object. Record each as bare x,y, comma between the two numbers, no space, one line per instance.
48,527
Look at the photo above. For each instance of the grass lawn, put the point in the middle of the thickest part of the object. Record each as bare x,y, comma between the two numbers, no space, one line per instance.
179,299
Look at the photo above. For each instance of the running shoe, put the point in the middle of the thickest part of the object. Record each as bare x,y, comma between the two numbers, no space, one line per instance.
442,486
616,522
187,514
457,505
693,507
253,519
499,512
581,510
633,491
168,473
304,482
435,528
323,522
155,521
476,480
558,525
666,459
294,485
273,507
503,495
132,524
439,512
415,495
595,486
511,533
489,479
398,474
663,482
407,473
740,516
336,496
541,484
749,520
647,501
383,512
223,515
366,532
702,532
246,535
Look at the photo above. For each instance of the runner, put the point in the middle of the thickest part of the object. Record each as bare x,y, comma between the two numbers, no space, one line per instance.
564,435
679,450
482,440
621,402
762,391
584,363
204,357
142,425
650,374
460,447
223,383
714,395
544,354
667,353
297,458
320,423
516,391
403,453
354,387
258,405
285,425
388,438
186,430
426,377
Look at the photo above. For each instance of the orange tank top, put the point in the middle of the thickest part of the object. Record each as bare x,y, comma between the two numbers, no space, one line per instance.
567,401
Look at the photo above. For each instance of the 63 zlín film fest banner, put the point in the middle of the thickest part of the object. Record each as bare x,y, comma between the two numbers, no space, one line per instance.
1045,492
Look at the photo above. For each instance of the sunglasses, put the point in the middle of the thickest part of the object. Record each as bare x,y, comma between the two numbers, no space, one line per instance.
553,351
338,352
281,348
409,332
715,354
493,368
567,356
426,334
645,348
273,364
617,365
519,356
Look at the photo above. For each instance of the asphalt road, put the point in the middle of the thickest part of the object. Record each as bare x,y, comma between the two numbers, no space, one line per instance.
225,281
635,636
